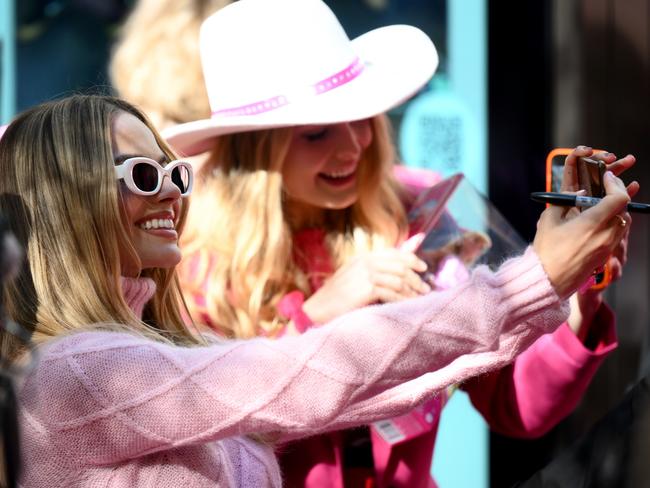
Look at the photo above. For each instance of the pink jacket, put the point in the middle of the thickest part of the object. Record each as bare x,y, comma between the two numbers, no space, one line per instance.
115,409
524,399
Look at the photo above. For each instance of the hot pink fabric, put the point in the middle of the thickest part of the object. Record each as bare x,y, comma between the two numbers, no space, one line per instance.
115,409
527,398
524,399
291,307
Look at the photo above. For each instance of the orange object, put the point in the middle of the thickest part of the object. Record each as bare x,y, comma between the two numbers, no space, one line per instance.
604,273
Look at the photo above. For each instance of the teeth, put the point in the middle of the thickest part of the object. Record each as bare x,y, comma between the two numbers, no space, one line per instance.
339,174
157,224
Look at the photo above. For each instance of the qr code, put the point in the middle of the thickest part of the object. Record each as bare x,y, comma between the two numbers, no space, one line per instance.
441,138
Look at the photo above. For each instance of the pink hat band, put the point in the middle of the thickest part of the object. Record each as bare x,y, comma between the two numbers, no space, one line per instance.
323,86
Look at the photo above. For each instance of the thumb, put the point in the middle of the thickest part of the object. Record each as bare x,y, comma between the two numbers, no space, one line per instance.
612,204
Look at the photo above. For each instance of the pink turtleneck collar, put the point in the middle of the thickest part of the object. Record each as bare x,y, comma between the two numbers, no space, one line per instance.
137,292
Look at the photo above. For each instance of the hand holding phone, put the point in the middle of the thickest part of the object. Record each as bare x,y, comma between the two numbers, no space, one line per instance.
590,174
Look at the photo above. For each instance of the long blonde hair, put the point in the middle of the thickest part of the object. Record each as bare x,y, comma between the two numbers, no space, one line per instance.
155,63
238,240
59,194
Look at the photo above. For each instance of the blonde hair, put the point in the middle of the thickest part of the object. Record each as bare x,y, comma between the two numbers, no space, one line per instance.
241,259
155,63
59,194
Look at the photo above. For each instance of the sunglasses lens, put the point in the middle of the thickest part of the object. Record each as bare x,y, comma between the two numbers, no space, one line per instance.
181,178
145,176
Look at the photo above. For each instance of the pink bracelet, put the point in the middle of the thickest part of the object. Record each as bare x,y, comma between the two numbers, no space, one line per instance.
290,306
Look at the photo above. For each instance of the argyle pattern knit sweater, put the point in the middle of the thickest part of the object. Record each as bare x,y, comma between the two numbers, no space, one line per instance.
111,409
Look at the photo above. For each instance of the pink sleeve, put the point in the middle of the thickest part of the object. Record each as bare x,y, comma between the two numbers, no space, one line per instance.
416,178
110,396
545,383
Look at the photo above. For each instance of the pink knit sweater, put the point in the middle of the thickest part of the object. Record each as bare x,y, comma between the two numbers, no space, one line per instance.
114,409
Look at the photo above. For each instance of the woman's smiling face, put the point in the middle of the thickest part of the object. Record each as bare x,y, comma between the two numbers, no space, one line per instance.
320,169
150,220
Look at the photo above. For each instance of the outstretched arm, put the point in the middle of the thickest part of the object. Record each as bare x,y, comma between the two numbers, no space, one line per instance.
115,396
112,396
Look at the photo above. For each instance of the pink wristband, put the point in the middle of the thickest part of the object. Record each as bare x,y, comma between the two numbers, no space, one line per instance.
291,307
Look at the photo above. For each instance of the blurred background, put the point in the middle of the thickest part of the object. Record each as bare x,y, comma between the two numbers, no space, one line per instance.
516,80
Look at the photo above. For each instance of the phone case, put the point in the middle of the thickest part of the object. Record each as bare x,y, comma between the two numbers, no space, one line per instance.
554,171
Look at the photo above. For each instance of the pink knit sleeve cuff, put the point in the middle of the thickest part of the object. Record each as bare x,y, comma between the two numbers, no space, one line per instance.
290,307
525,284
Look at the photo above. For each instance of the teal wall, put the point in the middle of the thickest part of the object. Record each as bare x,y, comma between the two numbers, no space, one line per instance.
8,61
462,451
445,129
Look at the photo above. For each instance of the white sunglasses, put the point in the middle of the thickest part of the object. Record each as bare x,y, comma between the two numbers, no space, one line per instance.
144,176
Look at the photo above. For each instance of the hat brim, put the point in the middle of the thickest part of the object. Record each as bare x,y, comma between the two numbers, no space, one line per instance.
399,60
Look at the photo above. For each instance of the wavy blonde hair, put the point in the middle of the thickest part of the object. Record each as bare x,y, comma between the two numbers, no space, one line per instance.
239,242
156,63
59,194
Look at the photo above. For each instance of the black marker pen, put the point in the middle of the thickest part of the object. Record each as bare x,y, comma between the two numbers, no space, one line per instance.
565,200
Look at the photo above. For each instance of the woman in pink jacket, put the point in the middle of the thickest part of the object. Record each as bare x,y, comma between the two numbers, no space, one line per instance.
124,394
298,218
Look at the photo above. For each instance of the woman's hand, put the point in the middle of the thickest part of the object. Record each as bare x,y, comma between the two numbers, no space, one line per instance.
571,244
387,275
584,305
616,166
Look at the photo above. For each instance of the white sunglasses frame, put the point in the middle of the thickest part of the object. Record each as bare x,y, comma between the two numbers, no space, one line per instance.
124,172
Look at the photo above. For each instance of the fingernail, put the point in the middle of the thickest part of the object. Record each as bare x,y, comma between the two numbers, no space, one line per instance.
581,192
412,243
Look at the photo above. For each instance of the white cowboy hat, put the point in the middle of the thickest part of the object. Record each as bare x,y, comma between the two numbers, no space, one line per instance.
278,63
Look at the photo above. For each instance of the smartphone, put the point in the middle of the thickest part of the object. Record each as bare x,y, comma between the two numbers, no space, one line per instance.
590,179
590,176
590,173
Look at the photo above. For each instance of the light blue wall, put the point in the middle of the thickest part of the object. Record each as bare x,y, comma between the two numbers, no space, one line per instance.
8,59
445,129
461,458
462,451
467,31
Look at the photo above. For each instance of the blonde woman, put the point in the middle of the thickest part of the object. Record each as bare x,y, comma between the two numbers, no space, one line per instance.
155,62
298,216
124,394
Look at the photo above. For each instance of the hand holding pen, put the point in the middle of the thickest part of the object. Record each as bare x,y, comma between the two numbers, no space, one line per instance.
592,240
581,201
586,303
570,181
